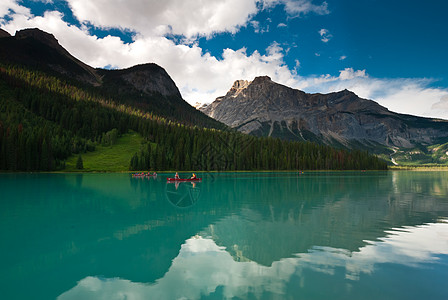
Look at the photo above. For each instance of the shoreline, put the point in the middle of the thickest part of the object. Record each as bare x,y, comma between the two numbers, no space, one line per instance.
421,169
390,168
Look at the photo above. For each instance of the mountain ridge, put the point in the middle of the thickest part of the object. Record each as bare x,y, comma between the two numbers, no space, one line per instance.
147,86
49,55
264,108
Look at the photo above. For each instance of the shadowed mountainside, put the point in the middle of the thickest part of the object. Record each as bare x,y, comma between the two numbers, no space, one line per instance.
146,86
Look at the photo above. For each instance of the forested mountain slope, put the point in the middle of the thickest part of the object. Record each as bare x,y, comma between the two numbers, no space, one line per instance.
147,86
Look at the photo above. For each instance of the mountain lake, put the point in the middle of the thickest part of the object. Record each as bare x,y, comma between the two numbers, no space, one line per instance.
245,235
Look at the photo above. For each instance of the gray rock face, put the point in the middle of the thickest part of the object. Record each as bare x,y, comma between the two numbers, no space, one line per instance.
265,108
150,79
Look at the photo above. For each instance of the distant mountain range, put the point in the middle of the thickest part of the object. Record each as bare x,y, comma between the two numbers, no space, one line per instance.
264,108
261,108
54,107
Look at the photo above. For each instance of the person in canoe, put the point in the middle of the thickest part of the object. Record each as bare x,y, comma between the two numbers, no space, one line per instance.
193,176
176,176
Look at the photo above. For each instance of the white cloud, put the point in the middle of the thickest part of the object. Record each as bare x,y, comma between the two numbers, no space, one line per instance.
297,8
441,105
343,57
8,6
415,98
189,18
404,95
282,25
44,1
325,35
349,73
300,7
256,26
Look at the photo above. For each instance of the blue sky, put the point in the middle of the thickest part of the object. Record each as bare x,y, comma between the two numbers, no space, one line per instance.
392,52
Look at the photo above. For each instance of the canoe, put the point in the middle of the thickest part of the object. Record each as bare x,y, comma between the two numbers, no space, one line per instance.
183,179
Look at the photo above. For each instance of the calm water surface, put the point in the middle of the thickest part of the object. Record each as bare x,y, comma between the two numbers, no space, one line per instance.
339,235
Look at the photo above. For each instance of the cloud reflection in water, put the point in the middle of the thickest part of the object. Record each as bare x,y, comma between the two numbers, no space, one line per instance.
202,267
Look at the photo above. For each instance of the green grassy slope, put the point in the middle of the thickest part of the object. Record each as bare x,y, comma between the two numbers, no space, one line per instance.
114,158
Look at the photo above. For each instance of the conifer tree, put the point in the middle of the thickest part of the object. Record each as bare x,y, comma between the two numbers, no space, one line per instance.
79,163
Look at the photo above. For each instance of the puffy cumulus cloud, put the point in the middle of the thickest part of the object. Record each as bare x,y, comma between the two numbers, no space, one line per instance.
349,73
325,35
297,8
188,18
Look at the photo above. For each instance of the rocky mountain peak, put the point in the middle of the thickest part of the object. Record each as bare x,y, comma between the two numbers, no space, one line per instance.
37,34
261,79
4,33
344,96
149,79
345,92
240,84
265,108
237,87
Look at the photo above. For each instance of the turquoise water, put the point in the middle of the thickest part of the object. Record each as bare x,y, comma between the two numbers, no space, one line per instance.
317,235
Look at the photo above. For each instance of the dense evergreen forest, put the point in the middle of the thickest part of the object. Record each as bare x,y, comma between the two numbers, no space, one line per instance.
45,119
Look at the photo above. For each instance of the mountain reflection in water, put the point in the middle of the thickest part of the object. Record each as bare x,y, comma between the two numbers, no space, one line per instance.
202,268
